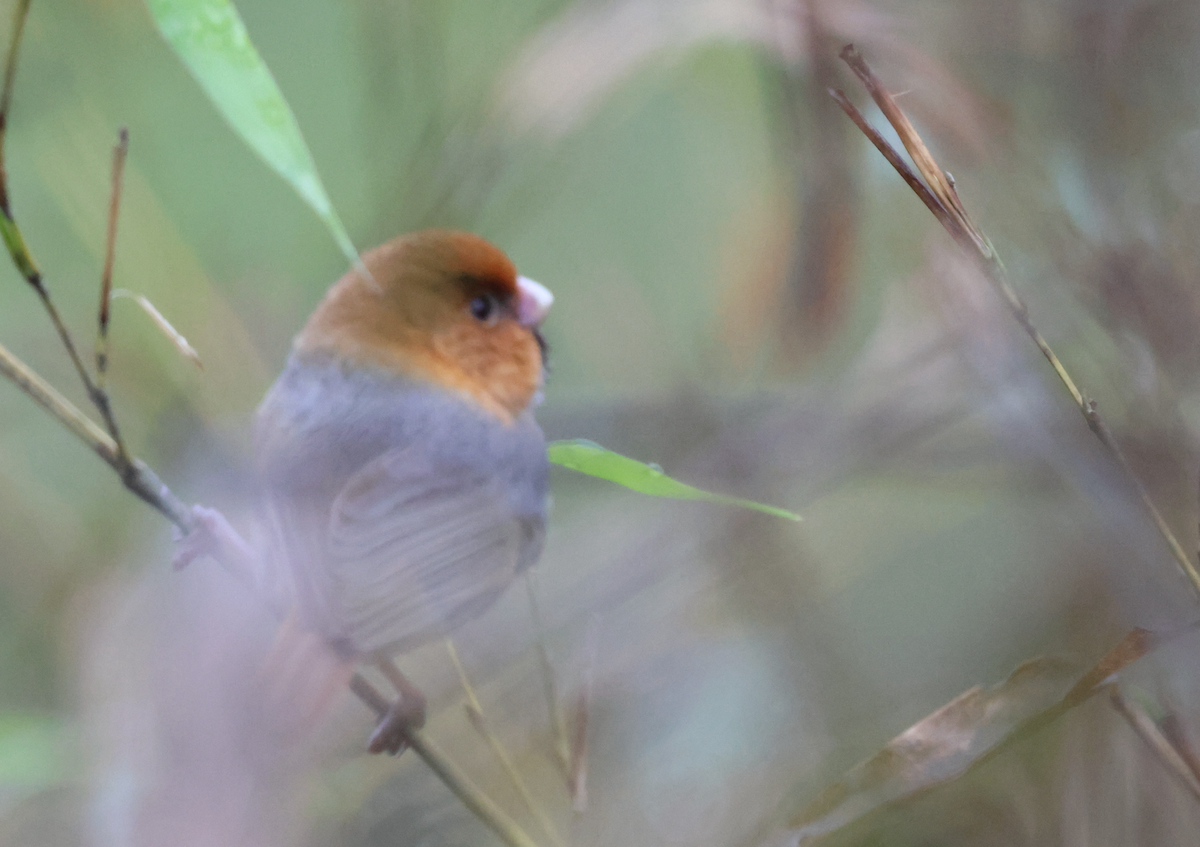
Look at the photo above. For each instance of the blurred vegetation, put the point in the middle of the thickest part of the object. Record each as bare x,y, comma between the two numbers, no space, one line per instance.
746,295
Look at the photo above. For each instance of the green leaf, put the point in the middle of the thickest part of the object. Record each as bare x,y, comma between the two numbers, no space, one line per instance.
15,242
211,40
590,458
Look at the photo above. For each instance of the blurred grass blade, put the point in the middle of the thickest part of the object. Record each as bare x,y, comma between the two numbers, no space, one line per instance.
590,458
164,325
211,40
31,751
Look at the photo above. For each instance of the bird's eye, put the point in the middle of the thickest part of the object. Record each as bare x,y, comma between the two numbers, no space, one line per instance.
484,308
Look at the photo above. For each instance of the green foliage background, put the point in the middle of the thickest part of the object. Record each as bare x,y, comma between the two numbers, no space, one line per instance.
957,517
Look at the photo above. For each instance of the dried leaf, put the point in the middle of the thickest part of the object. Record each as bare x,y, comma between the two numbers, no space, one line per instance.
1132,647
960,735
939,747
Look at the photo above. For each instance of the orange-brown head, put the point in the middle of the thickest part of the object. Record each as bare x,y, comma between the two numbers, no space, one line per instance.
443,306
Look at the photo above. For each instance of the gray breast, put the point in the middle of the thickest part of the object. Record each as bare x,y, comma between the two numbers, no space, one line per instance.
318,429
320,423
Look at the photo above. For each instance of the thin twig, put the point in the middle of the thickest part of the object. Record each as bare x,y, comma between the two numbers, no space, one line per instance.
1162,749
477,720
110,243
136,475
21,257
96,394
20,13
475,800
941,197
562,744
1174,731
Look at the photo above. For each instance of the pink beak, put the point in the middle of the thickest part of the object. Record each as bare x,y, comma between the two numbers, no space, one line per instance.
533,301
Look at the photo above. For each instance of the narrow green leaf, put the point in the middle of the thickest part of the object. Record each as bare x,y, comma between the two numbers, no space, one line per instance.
211,40
590,458
15,242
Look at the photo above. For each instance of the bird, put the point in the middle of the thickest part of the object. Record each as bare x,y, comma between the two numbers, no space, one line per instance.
403,479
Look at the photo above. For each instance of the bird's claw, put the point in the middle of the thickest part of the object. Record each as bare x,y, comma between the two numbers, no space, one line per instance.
202,540
391,733
211,535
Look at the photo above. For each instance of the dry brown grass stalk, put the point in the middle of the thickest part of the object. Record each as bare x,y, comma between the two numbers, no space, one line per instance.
936,190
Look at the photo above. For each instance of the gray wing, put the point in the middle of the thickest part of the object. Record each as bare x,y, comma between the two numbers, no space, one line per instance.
414,550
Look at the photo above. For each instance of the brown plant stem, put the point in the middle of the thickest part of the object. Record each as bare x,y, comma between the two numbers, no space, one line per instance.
1174,731
135,474
1159,745
20,13
120,151
938,193
18,250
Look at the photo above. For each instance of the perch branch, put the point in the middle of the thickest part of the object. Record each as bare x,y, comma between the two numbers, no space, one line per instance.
453,778
137,475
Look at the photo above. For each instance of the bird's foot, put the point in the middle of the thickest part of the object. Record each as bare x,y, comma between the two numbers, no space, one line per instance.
405,715
211,535
391,733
